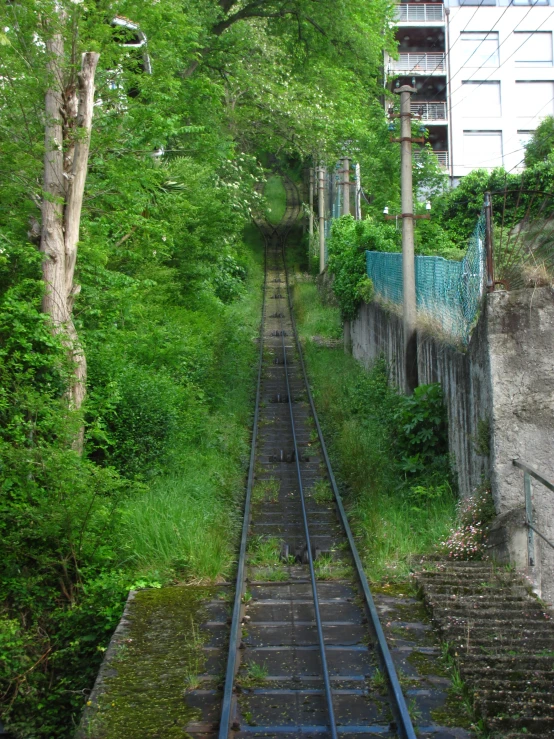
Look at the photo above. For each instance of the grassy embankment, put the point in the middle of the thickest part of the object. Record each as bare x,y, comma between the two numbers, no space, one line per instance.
394,514
186,521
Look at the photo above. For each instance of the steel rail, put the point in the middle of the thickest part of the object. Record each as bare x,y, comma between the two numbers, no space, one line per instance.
398,701
236,621
319,626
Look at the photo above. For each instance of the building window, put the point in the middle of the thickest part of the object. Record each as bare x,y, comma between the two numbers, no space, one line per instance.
479,49
477,2
482,149
533,49
535,100
481,99
524,137
529,2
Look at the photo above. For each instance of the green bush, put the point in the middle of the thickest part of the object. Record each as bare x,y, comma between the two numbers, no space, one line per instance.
347,245
421,430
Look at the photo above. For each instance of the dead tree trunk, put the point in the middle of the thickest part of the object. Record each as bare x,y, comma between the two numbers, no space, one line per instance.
69,107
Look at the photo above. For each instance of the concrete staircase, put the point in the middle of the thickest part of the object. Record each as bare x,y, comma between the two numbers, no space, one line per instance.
502,639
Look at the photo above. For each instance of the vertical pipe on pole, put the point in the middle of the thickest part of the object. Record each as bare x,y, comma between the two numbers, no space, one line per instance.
489,242
529,517
311,207
358,201
345,186
321,206
408,260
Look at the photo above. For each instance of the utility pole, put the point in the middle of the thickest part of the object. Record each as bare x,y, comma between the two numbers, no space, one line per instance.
321,208
358,200
408,260
345,186
311,209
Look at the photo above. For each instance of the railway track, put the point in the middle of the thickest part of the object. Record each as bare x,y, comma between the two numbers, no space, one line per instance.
307,655
294,647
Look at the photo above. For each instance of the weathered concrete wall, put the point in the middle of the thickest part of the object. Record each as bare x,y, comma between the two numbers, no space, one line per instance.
500,392
463,376
521,347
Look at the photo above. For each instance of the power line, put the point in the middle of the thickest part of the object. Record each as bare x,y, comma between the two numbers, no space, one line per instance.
454,44
487,33
495,70
529,123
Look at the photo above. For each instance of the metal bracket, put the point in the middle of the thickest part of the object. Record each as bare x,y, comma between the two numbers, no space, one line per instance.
407,138
425,217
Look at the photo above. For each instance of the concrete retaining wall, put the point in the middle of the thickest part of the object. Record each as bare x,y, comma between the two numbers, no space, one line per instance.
499,395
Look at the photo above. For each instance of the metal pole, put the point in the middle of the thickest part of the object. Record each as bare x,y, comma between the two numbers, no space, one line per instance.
358,202
489,242
321,204
311,213
345,186
408,260
529,517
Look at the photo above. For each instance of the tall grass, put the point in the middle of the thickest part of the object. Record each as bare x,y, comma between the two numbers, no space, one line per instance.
314,318
357,410
185,525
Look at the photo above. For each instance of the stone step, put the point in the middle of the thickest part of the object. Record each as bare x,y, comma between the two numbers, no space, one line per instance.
473,591
537,702
497,631
542,726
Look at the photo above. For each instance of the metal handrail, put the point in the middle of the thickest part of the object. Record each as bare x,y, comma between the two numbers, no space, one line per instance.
419,62
528,473
429,110
419,13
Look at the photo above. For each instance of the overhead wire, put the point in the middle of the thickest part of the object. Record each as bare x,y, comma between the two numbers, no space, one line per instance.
448,50
495,70
487,33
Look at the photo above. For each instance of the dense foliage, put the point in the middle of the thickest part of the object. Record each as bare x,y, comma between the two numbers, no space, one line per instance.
516,199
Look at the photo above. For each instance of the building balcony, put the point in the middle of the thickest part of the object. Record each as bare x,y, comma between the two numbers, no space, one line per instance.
442,157
419,13
430,111
419,63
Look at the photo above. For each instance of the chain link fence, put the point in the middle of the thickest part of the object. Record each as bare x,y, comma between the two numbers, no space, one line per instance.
448,293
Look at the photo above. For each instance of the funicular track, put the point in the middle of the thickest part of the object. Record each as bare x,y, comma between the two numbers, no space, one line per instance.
305,637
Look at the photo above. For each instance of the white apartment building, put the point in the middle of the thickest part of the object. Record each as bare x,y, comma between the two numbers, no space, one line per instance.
484,75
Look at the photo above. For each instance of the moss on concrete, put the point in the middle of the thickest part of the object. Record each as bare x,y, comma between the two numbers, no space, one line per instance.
141,689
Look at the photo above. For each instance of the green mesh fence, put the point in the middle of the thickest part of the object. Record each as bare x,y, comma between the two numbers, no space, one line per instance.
448,293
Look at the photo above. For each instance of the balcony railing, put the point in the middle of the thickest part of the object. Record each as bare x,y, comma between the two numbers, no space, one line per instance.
418,63
429,111
419,13
442,156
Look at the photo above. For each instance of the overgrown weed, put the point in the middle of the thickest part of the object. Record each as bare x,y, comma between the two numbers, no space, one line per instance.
389,452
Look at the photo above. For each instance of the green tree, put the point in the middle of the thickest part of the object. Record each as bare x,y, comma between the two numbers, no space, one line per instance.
541,145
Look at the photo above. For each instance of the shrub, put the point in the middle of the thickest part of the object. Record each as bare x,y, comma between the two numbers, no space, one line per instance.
347,245
421,437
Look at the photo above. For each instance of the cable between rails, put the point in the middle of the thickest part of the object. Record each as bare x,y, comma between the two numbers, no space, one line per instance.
405,726
319,626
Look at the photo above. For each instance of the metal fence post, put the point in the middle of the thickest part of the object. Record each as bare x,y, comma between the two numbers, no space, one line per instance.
529,519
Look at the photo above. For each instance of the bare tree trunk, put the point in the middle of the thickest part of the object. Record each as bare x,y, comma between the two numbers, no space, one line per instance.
67,143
